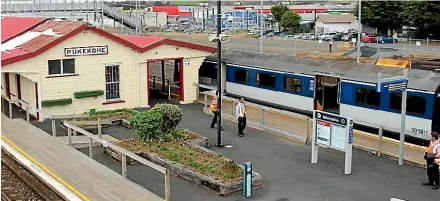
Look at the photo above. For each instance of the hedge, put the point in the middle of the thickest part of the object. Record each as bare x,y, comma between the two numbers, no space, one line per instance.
86,94
56,102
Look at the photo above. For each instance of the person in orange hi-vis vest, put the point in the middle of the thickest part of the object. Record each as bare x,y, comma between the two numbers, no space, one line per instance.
432,157
214,109
240,112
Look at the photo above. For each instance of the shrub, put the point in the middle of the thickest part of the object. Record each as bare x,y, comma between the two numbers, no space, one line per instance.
85,94
148,125
172,115
56,102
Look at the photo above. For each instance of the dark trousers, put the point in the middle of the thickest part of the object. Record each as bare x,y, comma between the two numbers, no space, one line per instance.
433,174
330,46
214,119
241,124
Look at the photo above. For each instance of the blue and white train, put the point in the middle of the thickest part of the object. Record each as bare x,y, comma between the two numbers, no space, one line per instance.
303,85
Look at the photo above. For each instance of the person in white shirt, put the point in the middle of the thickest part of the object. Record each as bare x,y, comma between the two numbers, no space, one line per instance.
240,113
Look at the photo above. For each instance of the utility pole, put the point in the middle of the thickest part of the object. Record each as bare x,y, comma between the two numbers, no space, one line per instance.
102,14
219,74
261,27
359,34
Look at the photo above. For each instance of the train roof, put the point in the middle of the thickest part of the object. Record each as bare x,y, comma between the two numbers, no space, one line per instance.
418,79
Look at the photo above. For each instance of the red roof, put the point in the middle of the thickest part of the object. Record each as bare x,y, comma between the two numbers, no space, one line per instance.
171,10
14,26
141,41
56,32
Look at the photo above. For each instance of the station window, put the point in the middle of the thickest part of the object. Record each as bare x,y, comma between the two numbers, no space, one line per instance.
112,90
241,75
414,104
367,97
265,79
292,84
61,66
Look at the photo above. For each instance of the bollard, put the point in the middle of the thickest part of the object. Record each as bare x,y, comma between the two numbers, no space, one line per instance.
69,136
379,145
124,165
99,128
28,117
262,117
247,179
167,185
205,101
74,123
10,109
91,147
54,129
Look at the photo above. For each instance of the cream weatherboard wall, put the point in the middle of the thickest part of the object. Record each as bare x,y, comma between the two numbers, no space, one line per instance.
90,70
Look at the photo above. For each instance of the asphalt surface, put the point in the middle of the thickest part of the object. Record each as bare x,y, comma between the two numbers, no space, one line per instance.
296,47
285,166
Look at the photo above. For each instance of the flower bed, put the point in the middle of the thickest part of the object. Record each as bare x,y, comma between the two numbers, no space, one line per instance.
191,161
183,152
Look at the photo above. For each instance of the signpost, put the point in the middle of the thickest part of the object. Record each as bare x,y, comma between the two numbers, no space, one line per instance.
334,131
247,179
396,84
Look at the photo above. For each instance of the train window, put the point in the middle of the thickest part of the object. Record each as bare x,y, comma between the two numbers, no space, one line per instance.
267,80
367,97
241,76
415,104
292,84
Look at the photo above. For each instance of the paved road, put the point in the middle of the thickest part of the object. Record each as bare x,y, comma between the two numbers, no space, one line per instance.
286,169
292,47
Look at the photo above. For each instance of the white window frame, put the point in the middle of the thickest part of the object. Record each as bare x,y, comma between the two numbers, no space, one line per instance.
112,82
61,66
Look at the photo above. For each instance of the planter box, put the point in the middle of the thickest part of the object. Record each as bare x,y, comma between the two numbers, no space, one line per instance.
187,173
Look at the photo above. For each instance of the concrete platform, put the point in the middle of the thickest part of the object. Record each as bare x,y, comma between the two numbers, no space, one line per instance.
89,179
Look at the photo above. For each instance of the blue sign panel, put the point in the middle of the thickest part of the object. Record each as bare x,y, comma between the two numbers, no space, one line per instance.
394,86
247,179
350,133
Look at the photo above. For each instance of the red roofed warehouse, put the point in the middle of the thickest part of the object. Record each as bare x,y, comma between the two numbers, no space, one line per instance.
68,67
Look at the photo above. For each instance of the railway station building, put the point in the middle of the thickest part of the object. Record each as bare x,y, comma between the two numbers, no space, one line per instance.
70,67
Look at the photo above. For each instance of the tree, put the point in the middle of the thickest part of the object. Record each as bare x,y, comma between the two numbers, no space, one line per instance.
382,15
423,15
290,20
278,12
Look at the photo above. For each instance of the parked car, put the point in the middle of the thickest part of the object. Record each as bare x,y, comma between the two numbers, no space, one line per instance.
327,35
369,38
349,36
387,39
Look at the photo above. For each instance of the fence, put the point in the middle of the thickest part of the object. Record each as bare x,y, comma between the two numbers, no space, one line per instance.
299,128
72,128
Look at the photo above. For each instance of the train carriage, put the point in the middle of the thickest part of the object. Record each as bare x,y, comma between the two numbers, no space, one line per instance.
303,85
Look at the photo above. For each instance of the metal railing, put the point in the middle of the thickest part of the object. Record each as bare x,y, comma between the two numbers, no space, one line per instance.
298,127
124,154
167,85
73,129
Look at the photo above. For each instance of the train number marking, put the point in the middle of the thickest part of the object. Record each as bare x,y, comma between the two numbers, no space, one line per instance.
419,131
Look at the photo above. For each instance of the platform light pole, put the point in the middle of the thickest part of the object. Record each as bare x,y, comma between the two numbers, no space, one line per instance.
261,27
359,33
219,74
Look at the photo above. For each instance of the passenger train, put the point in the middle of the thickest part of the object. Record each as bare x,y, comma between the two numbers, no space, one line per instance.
348,89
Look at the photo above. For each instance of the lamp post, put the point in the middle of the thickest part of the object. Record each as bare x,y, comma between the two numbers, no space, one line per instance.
359,34
204,6
219,76
261,27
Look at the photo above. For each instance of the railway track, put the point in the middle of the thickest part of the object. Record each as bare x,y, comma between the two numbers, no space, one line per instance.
19,184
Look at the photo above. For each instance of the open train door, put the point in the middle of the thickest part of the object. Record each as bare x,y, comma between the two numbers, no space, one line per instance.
435,125
327,93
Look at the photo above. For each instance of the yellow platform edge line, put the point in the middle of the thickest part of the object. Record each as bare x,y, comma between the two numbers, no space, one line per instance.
56,177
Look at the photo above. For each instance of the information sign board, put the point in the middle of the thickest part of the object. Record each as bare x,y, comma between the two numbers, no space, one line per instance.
332,131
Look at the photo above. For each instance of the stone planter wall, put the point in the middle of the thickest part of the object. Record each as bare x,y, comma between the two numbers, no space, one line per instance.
185,172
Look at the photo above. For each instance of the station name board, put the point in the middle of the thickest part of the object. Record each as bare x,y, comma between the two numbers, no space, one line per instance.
80,51
331,118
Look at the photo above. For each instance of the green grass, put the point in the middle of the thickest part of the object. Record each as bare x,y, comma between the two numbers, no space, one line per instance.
108,114
214,165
